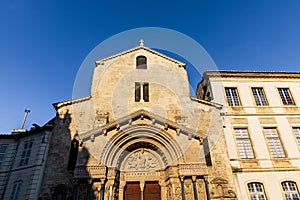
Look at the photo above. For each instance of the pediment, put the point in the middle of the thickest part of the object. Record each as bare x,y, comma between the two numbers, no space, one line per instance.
142,118
101,61
219,181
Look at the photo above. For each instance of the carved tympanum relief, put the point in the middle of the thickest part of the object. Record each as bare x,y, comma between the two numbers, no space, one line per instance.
142,160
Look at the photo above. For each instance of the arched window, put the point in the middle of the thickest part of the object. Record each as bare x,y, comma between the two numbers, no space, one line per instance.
73,155
290,190
256,191
141,62
15,190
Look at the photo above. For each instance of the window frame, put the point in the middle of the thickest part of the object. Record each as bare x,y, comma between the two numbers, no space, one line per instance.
2,154
297,138
260,99
142,92
231,100
256,193
290,192
284,99
139,64
16,190
271,138
26,152
137,91
248,139
145,91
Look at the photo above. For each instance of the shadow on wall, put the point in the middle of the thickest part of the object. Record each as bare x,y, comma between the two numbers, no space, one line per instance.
58,178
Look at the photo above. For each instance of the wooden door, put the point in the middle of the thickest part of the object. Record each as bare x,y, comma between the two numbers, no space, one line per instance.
152,191
132,191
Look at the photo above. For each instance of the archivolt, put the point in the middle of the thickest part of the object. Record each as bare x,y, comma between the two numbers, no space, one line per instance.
137,136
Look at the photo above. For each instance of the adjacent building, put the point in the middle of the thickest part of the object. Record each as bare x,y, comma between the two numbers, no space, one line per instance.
261,117
22,161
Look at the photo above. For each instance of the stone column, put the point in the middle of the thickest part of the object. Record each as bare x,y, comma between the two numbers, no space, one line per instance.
75,189
89,190
163,189
102,189
121,189
175,188
194,179
142,186
182,187
207,187
111,192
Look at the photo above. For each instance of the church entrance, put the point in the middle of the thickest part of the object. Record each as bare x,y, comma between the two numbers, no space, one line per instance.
151,191
132,191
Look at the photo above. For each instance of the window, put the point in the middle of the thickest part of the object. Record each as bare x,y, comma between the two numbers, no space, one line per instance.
286,96
274,143
26,153
297,134
146,92
256,191
207,152
15,190
232,97
3,148
243,143
73,155
260,97
139,90
141,62
290,190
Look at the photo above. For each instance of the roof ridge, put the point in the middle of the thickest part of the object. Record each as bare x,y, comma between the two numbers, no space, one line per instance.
141,47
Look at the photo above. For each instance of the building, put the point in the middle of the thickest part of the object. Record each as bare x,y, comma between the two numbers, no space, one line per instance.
139,135
261,117
22,162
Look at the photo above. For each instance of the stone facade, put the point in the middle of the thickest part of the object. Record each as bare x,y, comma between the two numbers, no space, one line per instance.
139,131
22,162
261,119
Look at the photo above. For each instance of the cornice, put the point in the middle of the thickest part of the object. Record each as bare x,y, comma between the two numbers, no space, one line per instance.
141,114
252,74
216,105
71,101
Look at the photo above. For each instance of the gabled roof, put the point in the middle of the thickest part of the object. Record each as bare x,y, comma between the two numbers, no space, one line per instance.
70,102
181,64
141,114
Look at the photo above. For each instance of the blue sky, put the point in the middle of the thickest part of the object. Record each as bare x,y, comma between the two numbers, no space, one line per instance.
43,43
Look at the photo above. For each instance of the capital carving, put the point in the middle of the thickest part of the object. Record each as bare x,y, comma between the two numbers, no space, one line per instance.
142,185
194,178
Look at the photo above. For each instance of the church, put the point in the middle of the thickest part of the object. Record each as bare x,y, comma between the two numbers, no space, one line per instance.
140,135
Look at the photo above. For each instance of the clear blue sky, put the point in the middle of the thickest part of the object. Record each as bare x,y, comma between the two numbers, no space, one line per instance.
43,43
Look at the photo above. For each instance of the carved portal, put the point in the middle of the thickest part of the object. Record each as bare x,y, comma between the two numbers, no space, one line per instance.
142,160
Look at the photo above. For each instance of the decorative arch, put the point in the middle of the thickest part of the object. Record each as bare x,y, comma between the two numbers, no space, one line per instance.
153,140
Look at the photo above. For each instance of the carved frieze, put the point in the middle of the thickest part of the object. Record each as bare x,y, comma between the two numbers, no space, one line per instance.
192,169
90,171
